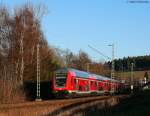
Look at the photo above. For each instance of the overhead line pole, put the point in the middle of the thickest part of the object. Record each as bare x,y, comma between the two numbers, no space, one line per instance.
132,84
113,64
38,90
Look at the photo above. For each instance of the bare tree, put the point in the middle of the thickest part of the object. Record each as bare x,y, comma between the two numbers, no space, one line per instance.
19,35
68,57
6,73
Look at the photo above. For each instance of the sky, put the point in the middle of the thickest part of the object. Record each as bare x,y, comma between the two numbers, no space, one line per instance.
75,24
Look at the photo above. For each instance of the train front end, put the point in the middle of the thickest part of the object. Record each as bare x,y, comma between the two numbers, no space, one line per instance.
60,84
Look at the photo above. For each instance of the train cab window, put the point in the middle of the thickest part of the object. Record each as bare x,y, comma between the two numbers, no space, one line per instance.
61,79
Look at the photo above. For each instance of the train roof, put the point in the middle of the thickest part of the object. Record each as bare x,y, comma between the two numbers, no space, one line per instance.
84,74
78,73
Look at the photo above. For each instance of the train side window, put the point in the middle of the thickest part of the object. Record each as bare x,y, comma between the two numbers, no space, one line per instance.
99,84
91,83
95,84
80,88
105,83
74,81
87,88
76,84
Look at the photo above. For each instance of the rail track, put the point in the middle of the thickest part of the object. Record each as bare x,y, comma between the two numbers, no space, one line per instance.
60,107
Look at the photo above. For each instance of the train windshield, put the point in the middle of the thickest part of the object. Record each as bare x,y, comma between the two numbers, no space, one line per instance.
61,79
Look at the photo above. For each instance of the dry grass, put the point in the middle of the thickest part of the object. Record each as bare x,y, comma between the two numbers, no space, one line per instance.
137,75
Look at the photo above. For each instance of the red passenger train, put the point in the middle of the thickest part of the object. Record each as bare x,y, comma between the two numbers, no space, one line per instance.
72,82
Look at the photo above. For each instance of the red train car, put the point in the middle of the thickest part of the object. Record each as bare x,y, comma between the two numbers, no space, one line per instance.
72,82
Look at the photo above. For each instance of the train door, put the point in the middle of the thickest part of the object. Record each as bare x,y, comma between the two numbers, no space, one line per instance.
100,86
80,85
106,87
91,86
76,84
87,85
96,86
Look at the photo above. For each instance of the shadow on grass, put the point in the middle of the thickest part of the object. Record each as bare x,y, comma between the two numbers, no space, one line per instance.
136,105
81,108
46,90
